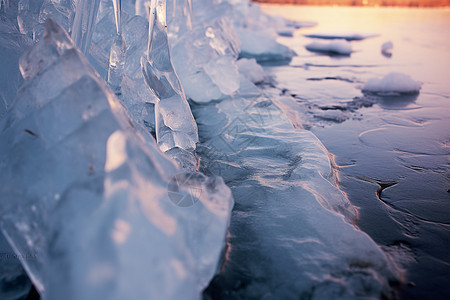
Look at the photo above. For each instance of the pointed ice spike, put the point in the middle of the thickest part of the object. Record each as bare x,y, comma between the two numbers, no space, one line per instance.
84,22
118,14
176,130
117,55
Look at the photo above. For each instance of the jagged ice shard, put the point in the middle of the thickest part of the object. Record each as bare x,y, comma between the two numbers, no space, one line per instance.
84,187
176,130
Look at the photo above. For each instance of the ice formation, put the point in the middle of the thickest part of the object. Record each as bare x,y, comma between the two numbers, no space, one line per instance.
95,209
256,44
176,130
87,190
14,282
288,236
221,32
339,47
12,44
84,22
392,83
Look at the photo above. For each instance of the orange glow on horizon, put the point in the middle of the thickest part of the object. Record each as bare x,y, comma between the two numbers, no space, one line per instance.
408,3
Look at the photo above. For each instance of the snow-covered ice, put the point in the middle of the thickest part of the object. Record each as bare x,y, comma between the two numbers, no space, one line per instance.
339,47
392,83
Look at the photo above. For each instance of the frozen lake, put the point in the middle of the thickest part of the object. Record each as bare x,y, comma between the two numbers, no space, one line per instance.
392,153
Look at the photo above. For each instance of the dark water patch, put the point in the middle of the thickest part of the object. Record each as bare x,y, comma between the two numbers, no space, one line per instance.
330,53
308,65
338,78
347,37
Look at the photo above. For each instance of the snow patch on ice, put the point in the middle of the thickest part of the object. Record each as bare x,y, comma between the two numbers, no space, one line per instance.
392,83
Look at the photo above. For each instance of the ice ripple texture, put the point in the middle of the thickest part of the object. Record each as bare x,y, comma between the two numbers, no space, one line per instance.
84,188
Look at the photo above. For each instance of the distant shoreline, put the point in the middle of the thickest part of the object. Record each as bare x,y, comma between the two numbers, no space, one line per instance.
384,3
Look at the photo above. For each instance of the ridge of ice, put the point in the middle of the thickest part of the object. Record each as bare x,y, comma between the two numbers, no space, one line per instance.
289,218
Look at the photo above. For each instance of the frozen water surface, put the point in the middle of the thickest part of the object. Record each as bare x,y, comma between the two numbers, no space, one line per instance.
391,147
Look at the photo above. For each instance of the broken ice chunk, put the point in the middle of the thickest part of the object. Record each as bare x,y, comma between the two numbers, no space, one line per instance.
262,47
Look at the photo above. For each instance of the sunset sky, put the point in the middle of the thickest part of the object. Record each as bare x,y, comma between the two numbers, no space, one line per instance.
412,3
